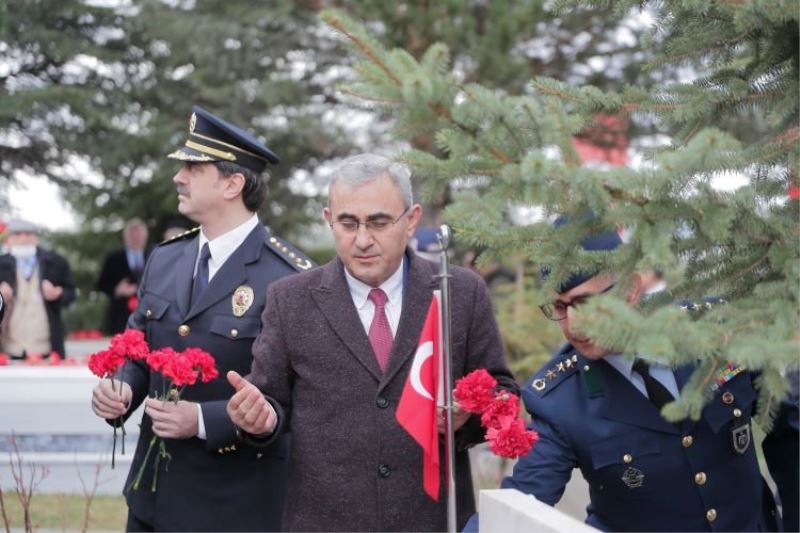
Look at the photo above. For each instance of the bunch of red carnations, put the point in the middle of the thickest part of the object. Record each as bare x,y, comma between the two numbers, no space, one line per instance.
179,370
499,409
126,346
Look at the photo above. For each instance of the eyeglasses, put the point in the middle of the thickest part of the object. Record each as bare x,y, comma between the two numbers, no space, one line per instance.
558,310
372,225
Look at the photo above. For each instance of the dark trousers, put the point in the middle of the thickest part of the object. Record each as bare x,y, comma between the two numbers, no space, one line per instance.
136,525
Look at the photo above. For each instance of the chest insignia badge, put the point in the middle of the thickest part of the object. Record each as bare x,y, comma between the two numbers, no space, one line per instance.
633,477
740,438
242,299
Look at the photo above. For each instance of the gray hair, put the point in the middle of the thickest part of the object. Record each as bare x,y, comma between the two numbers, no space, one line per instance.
365,168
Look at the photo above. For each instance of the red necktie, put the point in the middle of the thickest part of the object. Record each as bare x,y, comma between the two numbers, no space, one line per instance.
380,334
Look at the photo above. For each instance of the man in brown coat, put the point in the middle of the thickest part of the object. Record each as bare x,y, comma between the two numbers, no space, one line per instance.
327,380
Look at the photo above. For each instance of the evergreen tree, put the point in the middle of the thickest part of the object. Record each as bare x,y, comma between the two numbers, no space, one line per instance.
507,151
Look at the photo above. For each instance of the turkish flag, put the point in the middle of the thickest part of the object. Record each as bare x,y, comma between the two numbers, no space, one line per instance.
416,411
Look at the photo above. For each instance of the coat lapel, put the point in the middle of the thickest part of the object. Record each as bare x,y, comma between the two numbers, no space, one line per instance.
332,296
184,272
417,293
233,272
624,403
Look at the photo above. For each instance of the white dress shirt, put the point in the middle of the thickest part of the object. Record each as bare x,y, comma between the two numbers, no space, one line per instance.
393,287
660,372
221,249
223,246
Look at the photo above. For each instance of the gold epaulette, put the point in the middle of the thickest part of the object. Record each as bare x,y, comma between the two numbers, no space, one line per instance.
289,253
181,236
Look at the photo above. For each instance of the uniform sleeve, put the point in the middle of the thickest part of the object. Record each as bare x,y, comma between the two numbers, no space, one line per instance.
271,370
781,451
484,350
66,283
220,430
545,471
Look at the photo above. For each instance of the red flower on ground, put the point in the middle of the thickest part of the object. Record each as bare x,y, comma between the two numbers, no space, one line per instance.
503,405
3,359
510,438
475,391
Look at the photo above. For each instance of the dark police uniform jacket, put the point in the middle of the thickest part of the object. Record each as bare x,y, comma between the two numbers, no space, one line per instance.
216,484
644,473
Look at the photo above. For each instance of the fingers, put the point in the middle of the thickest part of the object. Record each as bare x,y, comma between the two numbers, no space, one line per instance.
106,402
236,380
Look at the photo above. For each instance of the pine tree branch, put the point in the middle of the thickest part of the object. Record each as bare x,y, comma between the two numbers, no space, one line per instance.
365,49
370,98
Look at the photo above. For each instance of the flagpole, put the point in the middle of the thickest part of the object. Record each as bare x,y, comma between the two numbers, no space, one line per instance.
449,437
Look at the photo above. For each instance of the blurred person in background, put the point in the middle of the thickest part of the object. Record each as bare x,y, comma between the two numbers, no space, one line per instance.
119,277
36,285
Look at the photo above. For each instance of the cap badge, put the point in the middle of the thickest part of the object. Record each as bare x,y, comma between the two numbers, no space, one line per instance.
242,299
192,123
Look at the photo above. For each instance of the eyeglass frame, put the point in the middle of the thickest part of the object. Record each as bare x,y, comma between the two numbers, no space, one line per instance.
583,299
368,224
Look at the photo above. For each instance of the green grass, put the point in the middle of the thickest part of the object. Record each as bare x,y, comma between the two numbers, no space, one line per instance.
66,511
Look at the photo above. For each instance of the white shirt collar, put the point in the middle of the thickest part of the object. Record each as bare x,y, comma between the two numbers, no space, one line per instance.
223,246
625,364
393,287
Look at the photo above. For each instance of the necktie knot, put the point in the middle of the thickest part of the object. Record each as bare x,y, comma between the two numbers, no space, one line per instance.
658,394
641,367
378,297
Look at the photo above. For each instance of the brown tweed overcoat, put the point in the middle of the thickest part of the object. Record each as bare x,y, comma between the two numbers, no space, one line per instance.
352,467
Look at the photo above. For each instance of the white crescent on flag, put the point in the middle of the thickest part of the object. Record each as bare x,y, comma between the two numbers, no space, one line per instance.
423,353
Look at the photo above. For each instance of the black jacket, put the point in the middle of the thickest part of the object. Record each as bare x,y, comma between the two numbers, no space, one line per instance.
115,269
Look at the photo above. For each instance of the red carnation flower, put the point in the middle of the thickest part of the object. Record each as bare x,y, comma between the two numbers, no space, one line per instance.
105,363
203,363
504,404
131,344
133,303
3,359
158,358
475,391
178,369
510,439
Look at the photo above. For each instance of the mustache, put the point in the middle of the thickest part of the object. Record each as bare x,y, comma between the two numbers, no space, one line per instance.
183,191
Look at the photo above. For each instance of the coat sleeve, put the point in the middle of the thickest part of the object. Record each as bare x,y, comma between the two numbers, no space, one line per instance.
271,370
106,281
220,430
64,280
545,471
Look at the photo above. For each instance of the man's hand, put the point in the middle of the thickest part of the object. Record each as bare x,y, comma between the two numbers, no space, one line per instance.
111,400
125,289
459,418
7,291
51,292
172,420
249,409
